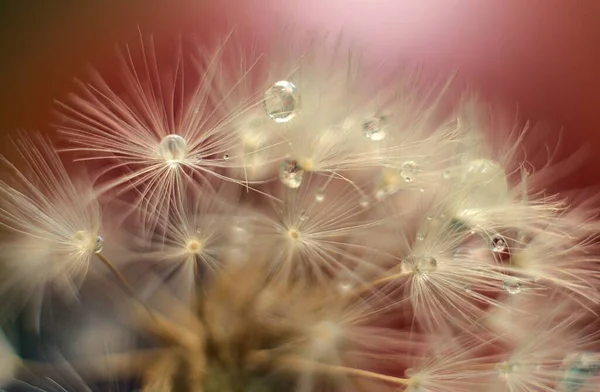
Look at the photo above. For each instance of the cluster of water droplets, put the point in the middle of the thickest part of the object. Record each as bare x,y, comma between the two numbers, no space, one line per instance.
281,103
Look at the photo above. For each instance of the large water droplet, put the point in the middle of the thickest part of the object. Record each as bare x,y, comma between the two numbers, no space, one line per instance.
374,128
498,244
513,285
291,174
98,245
418,264
281,101
173,148
409,171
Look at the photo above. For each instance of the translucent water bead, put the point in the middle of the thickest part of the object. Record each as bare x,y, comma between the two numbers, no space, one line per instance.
173,149
418,264
291,174
486,182
281,101
498,244
513,285
374,128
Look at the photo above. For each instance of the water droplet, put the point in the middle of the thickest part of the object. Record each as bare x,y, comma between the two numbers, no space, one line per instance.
420,236
418,264
364,201
498,244
320,196
98,245
226,156
468,288
281,101
446,174
513,285
429,218
374,128
409,170
291,174
173,149
303,216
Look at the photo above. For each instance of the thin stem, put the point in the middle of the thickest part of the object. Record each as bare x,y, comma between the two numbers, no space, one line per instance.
124,283
296,363
115,271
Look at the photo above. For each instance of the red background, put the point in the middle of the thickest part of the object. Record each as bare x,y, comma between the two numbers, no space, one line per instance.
540,56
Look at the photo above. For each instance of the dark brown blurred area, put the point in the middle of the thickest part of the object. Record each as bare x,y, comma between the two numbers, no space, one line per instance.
540,56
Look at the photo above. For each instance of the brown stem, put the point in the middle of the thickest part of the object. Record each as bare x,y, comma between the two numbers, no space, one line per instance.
300,364
124,283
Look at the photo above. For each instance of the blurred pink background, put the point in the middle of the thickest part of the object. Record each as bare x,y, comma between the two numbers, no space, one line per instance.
541,57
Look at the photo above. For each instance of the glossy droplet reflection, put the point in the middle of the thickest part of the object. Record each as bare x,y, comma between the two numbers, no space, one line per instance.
513,285
173,149
281,101
99,245
291,174
374,128
418,264
498,244
409,171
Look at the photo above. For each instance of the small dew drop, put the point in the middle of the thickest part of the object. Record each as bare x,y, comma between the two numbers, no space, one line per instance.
498,244
364,201
513,285
99,244
281,101
374,128
418,264
409,170
420,236
320,196
303,216
291,174
173,148
446,175
226,156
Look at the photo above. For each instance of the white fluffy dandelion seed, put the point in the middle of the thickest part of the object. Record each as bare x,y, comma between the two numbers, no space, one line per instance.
448,273
194,239
155,132
52,224
314,233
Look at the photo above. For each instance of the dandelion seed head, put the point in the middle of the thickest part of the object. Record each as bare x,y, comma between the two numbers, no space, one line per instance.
194,246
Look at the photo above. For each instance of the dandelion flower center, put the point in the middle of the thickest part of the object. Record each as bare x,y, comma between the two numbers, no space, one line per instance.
194,246
173,149
294,234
